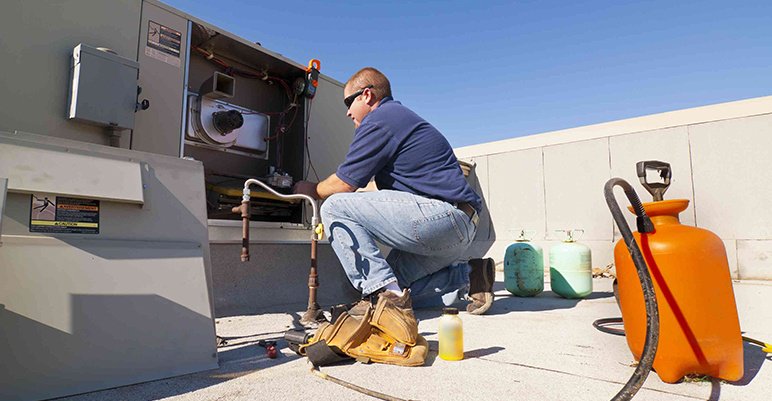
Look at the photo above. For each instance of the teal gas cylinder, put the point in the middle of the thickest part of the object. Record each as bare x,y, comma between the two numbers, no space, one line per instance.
571,267
524,268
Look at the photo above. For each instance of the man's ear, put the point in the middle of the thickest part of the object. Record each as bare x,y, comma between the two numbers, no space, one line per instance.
370,97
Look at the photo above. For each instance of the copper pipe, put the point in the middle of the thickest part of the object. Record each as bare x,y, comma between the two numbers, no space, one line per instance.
314,312
313,279
244,210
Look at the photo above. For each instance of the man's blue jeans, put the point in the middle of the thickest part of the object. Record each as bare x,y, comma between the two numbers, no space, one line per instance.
427,237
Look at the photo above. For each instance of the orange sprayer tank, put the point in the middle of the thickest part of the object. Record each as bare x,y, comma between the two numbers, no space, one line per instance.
699,327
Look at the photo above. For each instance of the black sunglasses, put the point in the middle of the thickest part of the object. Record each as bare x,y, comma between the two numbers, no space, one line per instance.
350,98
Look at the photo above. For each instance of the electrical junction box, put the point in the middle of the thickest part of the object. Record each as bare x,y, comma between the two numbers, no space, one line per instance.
103,88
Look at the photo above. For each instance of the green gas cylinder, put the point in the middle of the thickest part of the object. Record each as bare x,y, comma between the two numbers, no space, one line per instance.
524,268
571,267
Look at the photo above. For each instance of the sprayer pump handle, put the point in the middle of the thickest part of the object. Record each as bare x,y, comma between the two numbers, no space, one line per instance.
656,189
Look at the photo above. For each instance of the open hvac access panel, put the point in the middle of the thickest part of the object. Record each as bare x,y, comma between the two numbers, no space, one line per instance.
246,117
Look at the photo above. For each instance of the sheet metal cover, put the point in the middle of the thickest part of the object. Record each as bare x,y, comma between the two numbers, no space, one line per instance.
70,172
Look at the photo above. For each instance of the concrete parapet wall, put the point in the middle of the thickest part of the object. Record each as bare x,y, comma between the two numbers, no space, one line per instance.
720,156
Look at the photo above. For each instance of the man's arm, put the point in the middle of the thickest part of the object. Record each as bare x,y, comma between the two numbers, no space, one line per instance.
330,185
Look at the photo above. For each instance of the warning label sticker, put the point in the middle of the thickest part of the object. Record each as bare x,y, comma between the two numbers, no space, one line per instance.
63,215
163,43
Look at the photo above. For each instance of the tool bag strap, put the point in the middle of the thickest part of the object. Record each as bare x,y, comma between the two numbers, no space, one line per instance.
321,354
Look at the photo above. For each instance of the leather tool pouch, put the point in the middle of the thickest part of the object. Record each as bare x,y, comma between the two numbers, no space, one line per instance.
362,339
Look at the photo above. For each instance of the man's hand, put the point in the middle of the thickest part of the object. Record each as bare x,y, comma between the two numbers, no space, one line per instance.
306,188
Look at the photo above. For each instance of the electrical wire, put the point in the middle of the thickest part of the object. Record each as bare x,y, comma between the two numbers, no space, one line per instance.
279,131
352,386
305,136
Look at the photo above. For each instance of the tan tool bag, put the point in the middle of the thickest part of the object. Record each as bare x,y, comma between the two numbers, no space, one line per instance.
380,348
359,338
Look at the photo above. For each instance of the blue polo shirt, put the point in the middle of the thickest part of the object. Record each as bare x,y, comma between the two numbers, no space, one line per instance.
405,153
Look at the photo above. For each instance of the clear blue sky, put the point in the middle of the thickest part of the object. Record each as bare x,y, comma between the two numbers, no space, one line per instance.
491,70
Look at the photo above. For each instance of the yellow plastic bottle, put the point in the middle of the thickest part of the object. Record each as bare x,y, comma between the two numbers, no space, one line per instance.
451,335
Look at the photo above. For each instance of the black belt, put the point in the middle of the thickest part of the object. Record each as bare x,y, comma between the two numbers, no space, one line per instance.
469,210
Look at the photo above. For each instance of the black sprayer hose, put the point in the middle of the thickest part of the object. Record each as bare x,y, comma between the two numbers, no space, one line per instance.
652,312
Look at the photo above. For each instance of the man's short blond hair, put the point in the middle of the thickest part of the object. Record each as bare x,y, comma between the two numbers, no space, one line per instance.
370,76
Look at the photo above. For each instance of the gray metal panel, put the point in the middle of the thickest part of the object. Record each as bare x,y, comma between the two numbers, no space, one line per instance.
229,231
275,278
149,266
3,190
92,314
185,77
38,38
330,132
173,191
34,167
158,129
244,43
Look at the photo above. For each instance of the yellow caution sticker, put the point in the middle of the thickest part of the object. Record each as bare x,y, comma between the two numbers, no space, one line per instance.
54,214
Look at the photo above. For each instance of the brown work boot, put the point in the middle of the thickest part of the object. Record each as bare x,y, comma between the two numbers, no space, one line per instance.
481,280
394,316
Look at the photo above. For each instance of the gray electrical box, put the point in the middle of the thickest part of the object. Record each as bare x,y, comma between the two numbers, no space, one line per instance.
104,88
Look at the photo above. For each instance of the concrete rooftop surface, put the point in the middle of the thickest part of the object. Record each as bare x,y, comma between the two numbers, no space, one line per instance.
541,348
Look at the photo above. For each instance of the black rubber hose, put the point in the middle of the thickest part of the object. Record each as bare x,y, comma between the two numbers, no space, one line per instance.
602,325
652,312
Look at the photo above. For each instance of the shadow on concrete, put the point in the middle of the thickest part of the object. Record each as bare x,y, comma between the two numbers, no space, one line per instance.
753,359
505,303
481,352
236,361
715,389
249,357
547,300
434,347
431,356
